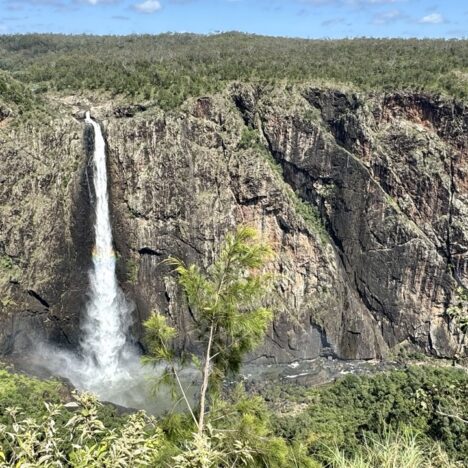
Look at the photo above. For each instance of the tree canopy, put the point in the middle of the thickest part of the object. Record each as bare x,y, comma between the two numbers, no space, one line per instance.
168,68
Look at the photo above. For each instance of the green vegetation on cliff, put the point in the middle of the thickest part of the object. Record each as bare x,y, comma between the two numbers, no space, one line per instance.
14,94
170,67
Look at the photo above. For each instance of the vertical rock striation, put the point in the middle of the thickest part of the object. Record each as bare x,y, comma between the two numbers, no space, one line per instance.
364,198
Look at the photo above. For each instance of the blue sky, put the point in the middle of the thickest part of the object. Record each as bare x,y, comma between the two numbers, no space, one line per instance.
296,18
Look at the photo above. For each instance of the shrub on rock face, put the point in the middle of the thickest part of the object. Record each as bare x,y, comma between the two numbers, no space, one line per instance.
458,310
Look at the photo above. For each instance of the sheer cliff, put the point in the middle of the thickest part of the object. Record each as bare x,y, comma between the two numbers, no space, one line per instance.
363,196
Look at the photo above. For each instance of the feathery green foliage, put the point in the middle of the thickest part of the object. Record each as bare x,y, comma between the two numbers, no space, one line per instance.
226,305
228,298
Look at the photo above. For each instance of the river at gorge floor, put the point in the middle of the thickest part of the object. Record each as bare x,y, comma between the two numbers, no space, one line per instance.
138,392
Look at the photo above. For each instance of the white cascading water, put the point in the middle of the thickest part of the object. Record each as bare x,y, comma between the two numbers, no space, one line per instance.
108,364
108,313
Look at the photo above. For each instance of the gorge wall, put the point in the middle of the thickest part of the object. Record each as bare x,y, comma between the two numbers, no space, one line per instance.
364,198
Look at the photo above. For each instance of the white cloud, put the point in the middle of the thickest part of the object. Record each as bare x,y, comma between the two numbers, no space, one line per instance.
350,3
387,17
148,6
433,18
371,2
96,2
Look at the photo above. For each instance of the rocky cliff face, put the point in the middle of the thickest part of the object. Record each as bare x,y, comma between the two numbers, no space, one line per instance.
364,198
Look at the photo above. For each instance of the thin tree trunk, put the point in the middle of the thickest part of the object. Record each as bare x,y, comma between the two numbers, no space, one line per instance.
206,376
184,396
206,367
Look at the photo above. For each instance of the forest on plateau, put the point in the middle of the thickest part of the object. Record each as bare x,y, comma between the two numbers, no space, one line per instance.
168,68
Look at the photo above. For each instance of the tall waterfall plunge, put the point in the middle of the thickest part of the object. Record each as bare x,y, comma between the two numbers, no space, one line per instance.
107,317
108,364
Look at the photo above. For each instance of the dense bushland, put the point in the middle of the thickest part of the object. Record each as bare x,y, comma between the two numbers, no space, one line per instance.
431,401
415,417
170,67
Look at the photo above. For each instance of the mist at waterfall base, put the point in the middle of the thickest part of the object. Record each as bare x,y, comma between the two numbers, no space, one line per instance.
108,363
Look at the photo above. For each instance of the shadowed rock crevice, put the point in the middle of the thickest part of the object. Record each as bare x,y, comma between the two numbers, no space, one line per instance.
148,251
40,299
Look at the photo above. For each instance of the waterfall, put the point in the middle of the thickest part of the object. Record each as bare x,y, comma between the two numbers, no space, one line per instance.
107,317
107,365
